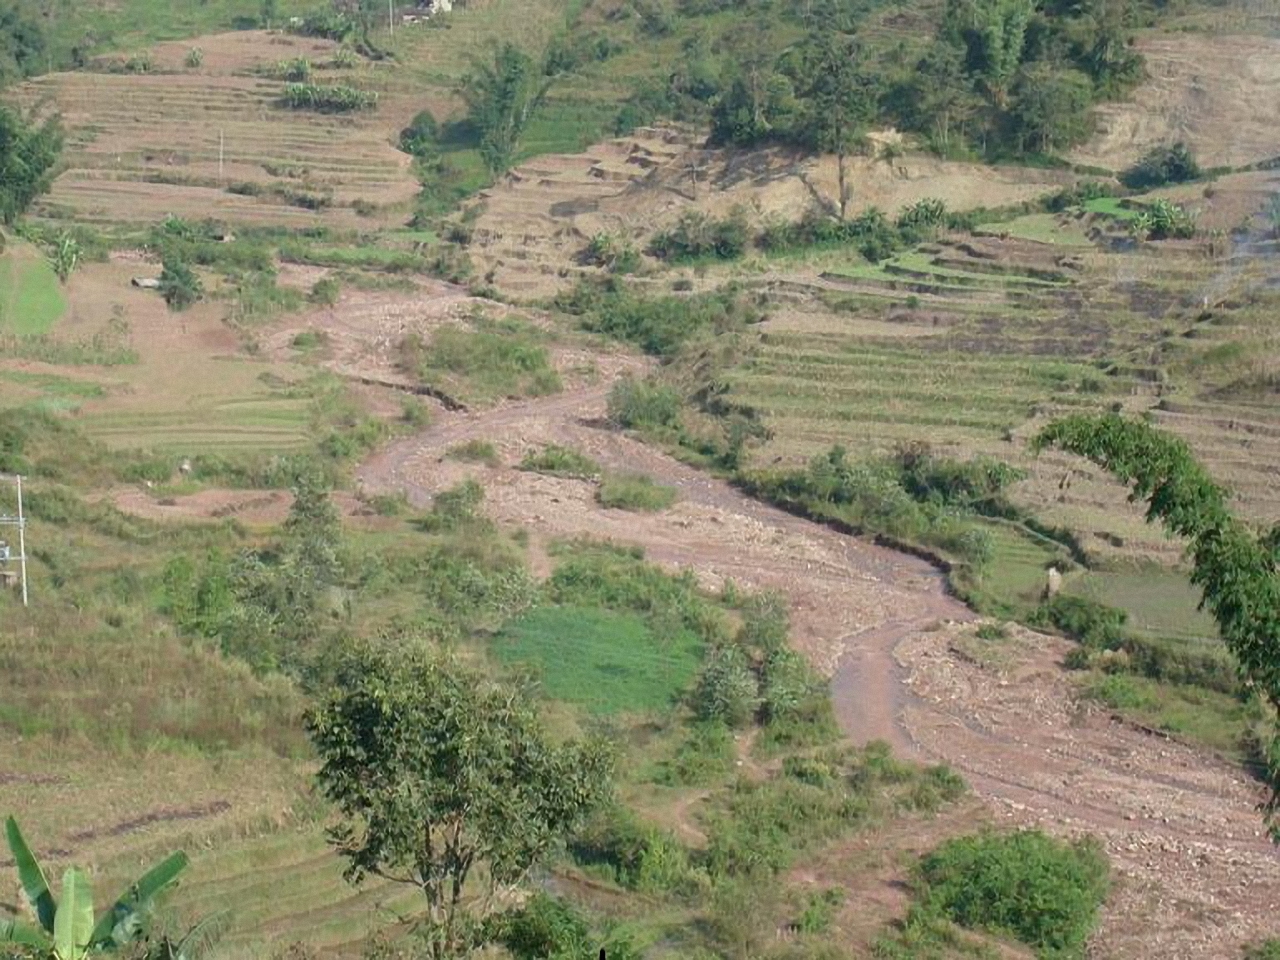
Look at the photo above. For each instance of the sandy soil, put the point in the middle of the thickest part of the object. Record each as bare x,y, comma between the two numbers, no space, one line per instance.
1195,876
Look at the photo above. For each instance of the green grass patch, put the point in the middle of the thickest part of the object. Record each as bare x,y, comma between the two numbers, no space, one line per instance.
1040,228
607,661
503,359
1209,717
559,461
634,491
31,300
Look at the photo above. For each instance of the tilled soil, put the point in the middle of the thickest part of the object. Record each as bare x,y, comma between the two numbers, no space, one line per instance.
1195,876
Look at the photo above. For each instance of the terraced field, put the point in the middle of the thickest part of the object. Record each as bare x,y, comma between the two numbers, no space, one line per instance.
202,142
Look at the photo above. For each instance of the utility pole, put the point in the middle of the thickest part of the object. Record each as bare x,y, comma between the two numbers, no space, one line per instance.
391,18
20,521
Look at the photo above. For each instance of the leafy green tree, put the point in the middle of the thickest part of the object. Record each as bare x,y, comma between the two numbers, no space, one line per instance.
23,44
993,34
1237,570
445,777
839,98
67,929
939,98
269,12
28,152
501,97
1050,108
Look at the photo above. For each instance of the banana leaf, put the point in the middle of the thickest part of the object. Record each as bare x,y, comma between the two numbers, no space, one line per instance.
73,923
34,884
15,931
121,923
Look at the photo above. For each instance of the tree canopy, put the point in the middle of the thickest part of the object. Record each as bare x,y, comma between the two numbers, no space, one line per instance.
1237,569
444,776
28,152
501,95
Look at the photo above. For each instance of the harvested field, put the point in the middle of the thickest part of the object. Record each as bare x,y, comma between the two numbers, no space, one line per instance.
1217,93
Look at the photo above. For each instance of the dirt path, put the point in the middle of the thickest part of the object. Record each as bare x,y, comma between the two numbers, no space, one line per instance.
1196,877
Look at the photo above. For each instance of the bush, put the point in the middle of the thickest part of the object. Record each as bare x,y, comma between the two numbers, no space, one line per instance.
1267,950
1086,621
726,689
639,404
497,360
704,756
325,291
194,58
658,325
697,235
1160,166
634,491
560,462
419,137
1043,891
179,285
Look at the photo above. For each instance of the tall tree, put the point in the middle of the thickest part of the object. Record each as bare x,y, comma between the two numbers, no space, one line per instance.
28,152
839,99
993,33
940,95
1237,569
23,45
444,778
1050,108
501,97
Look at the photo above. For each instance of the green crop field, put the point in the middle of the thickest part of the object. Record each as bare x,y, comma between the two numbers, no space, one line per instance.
1159,602
607,662
31,300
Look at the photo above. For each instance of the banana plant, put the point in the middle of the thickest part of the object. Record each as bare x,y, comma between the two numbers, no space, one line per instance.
66,927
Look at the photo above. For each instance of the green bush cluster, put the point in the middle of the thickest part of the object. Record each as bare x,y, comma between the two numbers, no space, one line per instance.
1042,891
1160,166
914,497
496,360
699,236
658,325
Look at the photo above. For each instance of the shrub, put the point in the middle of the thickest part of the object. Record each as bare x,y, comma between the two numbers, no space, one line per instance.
820,910
1087,621
310,339
496,360
1043,891
419,137
634,491
475,451
1162,165
697,235
325,291
1163,220
560,462
611,253
705,755
179,285
1266,950
923,218
194,58
658,325
726,689
640,404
